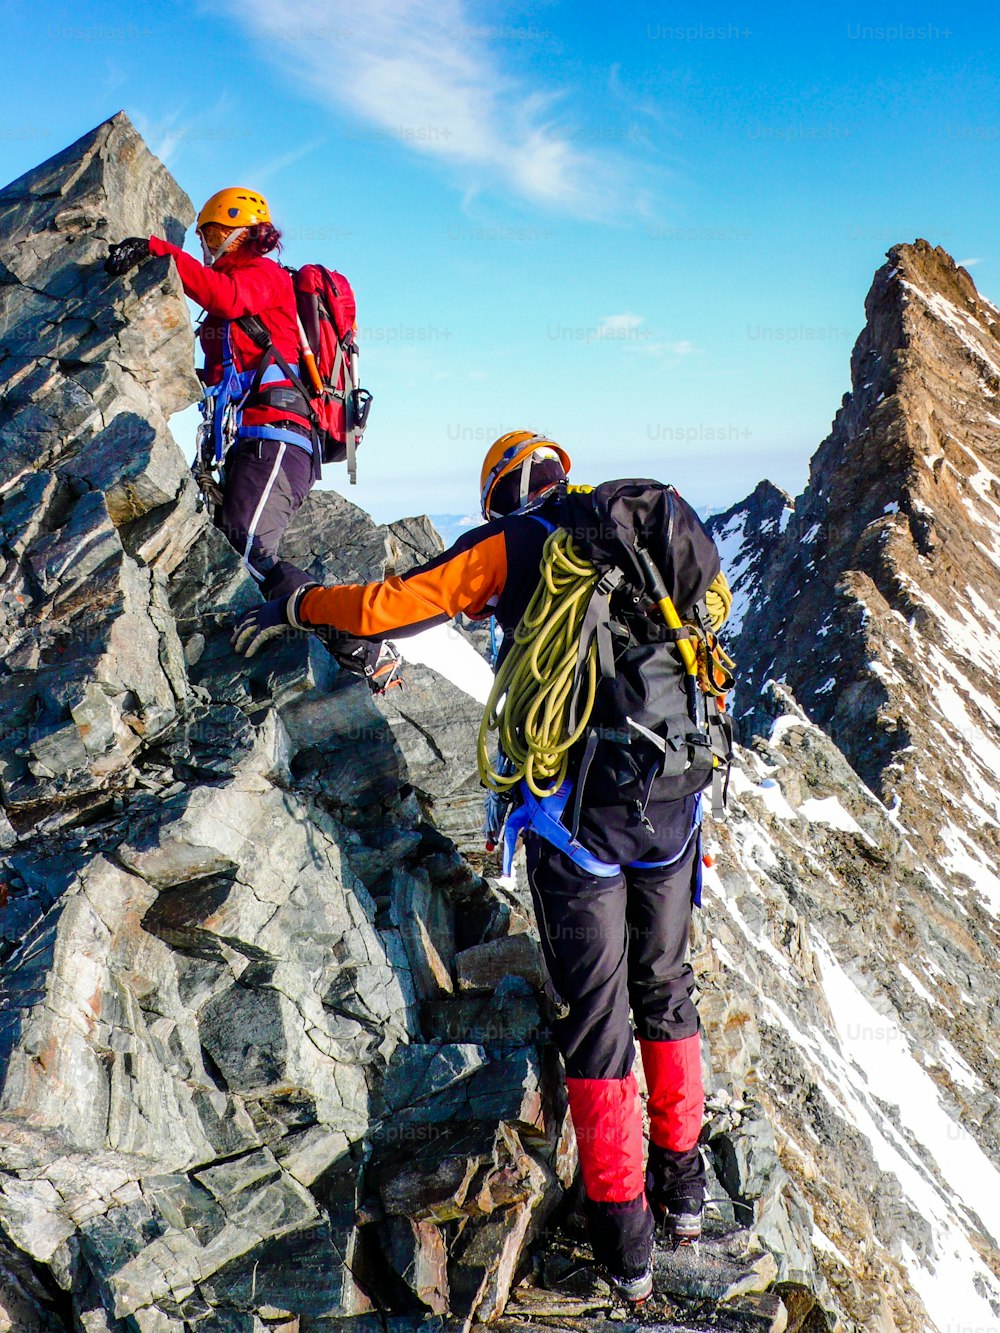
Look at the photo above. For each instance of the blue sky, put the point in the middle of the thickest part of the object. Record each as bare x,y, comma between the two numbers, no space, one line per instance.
643,229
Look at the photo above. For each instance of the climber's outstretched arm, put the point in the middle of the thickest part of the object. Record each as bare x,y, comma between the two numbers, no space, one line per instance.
462,579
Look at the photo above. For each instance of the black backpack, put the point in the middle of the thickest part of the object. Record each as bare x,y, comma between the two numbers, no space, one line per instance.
658,730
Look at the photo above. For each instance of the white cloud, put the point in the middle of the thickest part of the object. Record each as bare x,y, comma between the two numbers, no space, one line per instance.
266,171
633,331
620,326
193,122
420,72
969,263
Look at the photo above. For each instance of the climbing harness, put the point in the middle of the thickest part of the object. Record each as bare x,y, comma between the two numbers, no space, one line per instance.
222,409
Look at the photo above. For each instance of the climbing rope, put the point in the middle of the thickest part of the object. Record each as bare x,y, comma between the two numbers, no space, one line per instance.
529,704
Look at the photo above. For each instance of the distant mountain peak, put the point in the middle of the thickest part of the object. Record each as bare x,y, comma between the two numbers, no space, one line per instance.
876,604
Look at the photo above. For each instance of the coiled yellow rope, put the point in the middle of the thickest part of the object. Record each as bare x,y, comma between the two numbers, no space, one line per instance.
530,701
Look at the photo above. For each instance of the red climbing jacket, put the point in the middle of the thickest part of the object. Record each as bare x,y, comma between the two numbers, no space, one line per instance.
240,283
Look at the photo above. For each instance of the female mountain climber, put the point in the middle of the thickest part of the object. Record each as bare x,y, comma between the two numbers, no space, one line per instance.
259,433
613,902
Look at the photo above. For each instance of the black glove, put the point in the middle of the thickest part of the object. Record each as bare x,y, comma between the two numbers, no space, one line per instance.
256,627
379,663
126,254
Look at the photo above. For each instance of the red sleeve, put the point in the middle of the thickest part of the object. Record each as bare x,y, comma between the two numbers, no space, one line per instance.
242,291
462,579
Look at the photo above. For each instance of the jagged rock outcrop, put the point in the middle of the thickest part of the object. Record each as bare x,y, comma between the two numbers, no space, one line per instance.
431,719
877,994
747,535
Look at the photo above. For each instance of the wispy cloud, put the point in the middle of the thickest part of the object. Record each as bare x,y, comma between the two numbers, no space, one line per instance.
266,170
423,73
969,263
633,331
622,326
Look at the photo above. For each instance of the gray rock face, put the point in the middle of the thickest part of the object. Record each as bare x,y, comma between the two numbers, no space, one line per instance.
431,719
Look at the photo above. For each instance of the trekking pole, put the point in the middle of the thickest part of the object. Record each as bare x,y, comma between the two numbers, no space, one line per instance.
667,609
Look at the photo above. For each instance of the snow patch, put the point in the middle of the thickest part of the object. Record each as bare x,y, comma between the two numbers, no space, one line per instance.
830,811
958,1068
879,1066
774,798
916,983
451,655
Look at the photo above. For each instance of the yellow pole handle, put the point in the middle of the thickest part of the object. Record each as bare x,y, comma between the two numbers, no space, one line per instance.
686,647
667,609
307,356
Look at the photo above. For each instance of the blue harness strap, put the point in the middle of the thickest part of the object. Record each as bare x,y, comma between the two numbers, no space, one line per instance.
231,392
232,388
674,860
693,836
276,433
545,817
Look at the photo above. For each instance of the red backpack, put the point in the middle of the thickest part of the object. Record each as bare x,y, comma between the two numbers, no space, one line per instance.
338,406
328,319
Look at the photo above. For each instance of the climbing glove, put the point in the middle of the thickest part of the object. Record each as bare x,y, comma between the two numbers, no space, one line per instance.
126,254
268,621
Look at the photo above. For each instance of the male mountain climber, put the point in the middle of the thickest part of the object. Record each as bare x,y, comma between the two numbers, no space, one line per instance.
259,432
613,902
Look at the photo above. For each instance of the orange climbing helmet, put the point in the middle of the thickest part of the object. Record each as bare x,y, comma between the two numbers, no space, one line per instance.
235,207
517,447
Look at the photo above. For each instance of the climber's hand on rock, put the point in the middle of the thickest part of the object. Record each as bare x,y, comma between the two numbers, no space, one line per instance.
258,626
126,255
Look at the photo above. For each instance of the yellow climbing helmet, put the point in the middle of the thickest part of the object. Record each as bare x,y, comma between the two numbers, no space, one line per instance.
507,452
235,207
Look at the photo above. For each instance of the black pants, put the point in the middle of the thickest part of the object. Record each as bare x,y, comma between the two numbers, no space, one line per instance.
265,483
618,944
615,945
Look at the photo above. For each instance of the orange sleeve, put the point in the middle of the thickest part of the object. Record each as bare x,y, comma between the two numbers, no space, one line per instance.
462,579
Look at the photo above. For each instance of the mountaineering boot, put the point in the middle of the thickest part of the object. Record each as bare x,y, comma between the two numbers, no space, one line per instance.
607,1121
675,1183
621,1236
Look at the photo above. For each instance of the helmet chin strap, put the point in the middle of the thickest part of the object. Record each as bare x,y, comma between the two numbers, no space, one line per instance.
210,256
525,484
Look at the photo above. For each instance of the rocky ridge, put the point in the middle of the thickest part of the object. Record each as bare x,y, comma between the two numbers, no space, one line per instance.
228,927
271,1053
